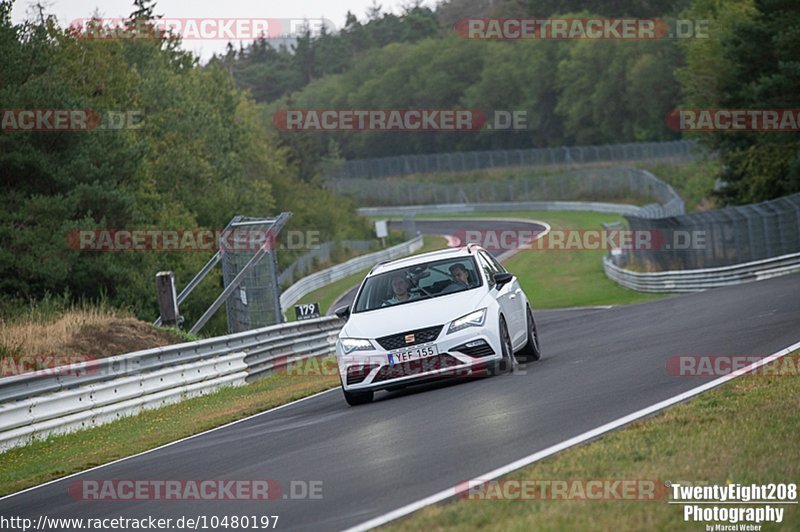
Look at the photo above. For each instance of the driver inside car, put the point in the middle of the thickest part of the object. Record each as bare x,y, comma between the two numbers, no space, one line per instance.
400,286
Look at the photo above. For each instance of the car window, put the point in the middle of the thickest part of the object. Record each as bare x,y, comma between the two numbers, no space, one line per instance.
496,263
487,267
417,282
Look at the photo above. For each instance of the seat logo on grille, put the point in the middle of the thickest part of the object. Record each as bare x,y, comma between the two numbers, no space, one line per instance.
409,338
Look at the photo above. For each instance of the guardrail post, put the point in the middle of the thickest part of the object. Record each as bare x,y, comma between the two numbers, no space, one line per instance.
167,299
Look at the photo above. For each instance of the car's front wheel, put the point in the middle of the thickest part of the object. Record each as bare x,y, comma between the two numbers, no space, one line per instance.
358,398
508,363
531,352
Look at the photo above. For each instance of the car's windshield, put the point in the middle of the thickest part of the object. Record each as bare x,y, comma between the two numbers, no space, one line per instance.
417,282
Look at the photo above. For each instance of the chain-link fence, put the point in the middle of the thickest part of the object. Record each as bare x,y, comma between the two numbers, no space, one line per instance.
563,157
256,301
716,238
583,184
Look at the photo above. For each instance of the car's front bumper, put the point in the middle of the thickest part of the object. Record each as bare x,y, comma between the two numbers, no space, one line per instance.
363,371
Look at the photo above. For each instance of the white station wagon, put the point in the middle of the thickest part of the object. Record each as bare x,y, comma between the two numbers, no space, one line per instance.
455,312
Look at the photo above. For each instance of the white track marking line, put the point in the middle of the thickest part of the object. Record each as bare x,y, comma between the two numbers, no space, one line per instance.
166,444
557,448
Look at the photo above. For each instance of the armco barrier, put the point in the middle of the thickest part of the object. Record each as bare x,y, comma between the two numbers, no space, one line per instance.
464,208
321,278
89,394
84,395
696,280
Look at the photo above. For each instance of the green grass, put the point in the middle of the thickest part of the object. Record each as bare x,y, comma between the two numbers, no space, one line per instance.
744,432
185,336
558,279
326,295
57,456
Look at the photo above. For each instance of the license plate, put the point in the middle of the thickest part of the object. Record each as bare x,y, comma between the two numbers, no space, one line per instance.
415,353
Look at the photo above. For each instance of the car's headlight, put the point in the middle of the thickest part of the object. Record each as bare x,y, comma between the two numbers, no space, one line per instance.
473,319
355,344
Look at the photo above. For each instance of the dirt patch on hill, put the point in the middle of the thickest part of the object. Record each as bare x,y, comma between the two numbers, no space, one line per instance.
74,336
118,336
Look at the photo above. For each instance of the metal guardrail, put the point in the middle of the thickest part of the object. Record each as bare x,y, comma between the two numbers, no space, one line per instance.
90,394
462,208
300,267
321,278
84,395
695,280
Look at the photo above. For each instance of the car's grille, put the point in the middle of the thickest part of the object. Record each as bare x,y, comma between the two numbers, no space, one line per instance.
482,349
357,374
421,336
416,367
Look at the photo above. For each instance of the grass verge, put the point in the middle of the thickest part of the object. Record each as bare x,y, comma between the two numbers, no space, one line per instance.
744,432
57,456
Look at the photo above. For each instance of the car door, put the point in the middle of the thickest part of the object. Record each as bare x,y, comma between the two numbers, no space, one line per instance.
518,322
503,295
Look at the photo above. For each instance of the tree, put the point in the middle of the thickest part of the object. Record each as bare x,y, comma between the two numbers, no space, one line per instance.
749,62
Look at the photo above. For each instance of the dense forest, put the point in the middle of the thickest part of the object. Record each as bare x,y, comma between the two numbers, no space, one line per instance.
207,148
200,156
574,92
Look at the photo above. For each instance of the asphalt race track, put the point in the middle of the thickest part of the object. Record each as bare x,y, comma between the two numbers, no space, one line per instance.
598,365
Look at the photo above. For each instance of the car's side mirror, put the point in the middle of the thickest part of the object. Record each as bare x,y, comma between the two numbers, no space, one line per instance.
502,278
343,312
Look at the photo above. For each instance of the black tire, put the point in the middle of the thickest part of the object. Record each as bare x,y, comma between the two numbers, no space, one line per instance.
358,398
508,363
532,351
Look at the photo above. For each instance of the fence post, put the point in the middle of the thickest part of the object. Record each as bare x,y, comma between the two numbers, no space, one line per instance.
167,299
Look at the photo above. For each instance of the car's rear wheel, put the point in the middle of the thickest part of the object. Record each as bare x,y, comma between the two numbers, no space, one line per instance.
507,364
358,398
531,352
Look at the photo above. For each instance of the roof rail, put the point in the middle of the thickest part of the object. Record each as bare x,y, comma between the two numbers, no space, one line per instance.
381,263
